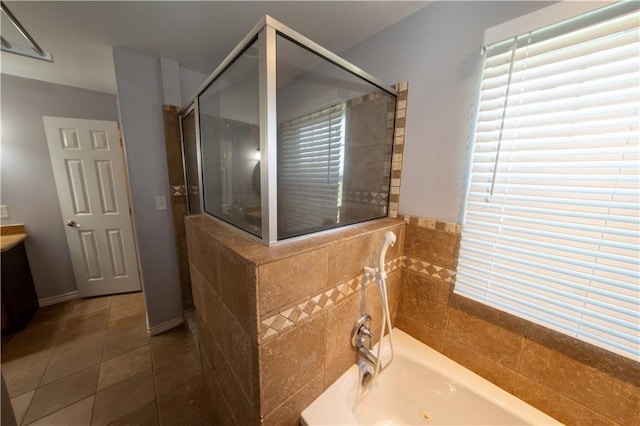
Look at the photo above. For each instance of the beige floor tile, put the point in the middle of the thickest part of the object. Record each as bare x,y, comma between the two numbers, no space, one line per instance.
20,356
125,335
20,405
75,356
123,398
126,309
124,366
83,325
87,306
25,379
59,394
189,404
78,414
123,342
172,343
119,299
147,415
172,373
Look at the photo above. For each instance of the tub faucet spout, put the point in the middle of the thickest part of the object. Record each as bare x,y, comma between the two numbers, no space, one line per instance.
364,354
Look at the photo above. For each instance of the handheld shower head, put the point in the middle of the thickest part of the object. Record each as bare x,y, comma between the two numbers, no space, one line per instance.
389,240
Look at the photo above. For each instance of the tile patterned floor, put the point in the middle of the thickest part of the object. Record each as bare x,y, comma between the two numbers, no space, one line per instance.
91,362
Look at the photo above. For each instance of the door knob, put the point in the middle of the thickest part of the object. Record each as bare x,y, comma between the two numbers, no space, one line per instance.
71,223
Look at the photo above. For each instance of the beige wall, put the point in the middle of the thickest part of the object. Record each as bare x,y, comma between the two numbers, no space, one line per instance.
577,383
274,323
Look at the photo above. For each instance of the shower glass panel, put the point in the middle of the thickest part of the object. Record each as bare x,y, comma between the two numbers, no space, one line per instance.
230,138
335,142
190,155
291,138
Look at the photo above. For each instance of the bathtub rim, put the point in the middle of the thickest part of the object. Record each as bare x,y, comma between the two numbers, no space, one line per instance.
328,408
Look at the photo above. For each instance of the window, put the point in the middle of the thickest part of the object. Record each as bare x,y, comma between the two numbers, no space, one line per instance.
551,227
310,171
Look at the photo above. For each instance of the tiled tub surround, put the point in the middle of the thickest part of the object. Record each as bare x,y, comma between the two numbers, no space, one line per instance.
274,322
577,383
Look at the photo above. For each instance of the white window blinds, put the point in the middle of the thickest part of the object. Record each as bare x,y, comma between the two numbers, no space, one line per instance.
551,227
310,171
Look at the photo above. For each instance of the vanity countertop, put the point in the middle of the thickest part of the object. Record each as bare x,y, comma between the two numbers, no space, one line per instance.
11,235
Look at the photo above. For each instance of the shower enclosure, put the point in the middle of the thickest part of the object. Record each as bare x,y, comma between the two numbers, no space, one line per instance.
286,139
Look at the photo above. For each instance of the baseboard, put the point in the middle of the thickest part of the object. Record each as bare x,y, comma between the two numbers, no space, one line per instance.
54,300
167,325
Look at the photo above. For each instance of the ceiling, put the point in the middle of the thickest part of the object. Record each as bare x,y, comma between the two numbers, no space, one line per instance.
198,35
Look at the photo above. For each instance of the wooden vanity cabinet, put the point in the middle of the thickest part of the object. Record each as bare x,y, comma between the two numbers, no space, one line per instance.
19,299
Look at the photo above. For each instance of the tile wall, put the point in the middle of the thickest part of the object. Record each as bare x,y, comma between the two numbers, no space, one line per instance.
178,196
572,381
274,322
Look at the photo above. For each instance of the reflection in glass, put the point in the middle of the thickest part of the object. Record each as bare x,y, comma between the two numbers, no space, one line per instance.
335,142
230,137
192,185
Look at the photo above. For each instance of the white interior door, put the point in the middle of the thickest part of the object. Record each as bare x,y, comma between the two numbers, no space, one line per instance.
88,167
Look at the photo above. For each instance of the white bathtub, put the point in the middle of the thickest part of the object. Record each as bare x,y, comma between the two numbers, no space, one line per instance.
420,387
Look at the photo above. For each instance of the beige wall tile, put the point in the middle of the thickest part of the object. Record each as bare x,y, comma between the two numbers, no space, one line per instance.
340,321
615,365
492,341
348,257
480,364
209,265
241,405
234,343
197,284
289,362
557,406
222,414
425,300
333,370
238,289
491,315
583,384
427,335
432,245
288,413
290,279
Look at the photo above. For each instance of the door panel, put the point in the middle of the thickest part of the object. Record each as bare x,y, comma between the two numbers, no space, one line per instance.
90,179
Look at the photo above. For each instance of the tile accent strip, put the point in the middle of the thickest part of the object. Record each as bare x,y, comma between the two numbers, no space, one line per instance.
375,198
302,310
429,269
398,147
424,222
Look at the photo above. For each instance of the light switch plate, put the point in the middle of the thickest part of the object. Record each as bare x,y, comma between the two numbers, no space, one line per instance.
4,212
161,203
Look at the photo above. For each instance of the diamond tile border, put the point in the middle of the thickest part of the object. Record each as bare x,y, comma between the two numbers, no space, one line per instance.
427,269
304,309
375,198
178,190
